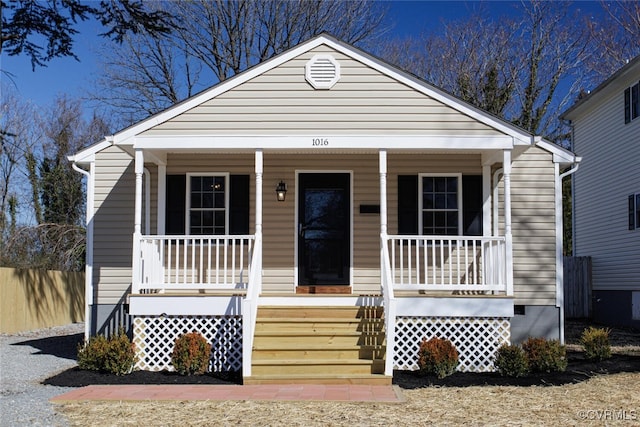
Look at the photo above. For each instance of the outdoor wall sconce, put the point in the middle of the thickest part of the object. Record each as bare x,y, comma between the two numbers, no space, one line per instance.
281,191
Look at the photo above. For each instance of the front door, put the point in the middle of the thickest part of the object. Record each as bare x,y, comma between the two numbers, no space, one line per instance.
324,236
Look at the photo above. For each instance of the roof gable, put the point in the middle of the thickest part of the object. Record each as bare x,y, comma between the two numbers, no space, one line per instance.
482,119
615,83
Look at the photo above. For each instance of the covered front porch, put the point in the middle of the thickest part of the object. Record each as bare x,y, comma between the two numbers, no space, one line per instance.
442,284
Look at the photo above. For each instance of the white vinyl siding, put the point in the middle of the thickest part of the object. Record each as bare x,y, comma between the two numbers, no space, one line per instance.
609,173
282,102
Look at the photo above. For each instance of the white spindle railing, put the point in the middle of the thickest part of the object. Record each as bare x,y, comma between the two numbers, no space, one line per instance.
389,301
448,263
250,307
194,262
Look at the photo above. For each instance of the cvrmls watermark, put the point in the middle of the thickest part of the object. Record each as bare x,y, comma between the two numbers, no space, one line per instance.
608,415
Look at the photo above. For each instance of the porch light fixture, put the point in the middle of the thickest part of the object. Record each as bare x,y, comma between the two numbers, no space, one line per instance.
281,191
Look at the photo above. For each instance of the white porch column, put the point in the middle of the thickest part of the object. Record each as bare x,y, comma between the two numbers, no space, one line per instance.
139,170
486,200
137,221
259,171
383,191
162,200
506,176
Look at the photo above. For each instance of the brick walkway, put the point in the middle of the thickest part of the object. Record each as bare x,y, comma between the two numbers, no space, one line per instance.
291,392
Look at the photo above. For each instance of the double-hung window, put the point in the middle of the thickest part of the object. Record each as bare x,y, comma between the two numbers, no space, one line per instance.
207,204
440,204
632,102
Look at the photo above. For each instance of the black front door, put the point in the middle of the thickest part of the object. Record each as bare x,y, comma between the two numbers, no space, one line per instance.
324,228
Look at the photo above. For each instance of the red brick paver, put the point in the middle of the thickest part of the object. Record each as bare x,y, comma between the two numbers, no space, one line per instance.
289,392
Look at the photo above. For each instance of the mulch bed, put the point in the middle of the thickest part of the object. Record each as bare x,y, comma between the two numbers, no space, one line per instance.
577,371
76,377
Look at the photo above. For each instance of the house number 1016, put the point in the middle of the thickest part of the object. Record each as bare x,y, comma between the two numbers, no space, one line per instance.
319,142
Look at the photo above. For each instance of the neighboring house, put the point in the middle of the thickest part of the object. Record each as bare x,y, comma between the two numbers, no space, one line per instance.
317,216
606,193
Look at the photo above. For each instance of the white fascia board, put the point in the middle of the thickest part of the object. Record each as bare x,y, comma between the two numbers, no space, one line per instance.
125,136
87,155
520,137
455,307
141,305
560,155
329,142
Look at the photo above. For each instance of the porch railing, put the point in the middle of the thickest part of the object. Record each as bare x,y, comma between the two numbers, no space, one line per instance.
448,263
389,301
250,307
194,262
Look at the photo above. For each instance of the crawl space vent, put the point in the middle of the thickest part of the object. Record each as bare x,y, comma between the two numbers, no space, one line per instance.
322,71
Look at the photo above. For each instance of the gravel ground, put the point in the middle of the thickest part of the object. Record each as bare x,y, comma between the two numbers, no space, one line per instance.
25,360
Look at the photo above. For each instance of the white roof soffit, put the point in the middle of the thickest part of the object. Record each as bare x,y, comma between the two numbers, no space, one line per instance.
87,155
520,136
560,155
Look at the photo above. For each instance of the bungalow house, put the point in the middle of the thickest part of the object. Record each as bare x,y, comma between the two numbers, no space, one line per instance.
606,193
317,216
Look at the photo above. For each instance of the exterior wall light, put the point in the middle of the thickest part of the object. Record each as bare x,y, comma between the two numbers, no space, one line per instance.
281,191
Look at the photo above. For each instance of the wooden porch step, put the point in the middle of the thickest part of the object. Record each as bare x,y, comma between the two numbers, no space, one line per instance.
372,379
313,366
328,344
338,352
311,337
333,324
304,312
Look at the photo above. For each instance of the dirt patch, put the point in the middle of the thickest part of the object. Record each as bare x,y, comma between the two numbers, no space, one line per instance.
623,340
586,394
579,369
602,400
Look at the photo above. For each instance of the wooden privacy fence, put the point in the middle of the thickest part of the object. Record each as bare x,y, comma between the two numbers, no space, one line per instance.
35,299
577,287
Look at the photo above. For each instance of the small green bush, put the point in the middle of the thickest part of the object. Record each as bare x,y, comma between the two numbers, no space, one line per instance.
121,356
595,342
511,361
115,355
92,354
545,355
191,354
437,356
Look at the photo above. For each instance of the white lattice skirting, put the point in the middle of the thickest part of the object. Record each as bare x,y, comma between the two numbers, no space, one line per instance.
476,338
154,337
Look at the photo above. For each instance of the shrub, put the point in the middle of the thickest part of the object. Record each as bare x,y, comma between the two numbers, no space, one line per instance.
437,356
191,354
115,355
545,355
511,361
92,354
121,356
595,342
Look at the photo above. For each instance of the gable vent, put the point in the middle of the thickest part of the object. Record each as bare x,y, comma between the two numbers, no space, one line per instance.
322,71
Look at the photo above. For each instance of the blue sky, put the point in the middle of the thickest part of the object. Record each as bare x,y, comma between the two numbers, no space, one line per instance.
68,76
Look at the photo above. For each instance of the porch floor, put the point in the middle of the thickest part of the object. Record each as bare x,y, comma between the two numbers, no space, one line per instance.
272,392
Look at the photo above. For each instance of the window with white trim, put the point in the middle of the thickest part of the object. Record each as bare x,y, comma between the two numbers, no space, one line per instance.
632,102
440,204
634,211
207,202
